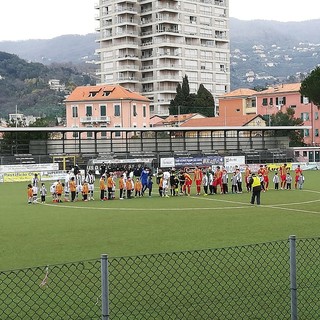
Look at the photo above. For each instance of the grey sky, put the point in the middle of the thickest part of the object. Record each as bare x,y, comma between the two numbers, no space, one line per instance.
41,19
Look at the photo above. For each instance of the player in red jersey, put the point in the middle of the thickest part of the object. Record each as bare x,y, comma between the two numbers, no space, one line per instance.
298,173
217,178
187,184
198,175
266,177
283,175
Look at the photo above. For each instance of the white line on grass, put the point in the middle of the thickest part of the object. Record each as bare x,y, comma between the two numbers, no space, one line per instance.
244,205
141,209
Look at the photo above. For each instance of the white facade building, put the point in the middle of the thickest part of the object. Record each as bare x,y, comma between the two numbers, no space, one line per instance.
148,46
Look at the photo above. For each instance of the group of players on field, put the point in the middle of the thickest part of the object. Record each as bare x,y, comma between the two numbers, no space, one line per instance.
170,183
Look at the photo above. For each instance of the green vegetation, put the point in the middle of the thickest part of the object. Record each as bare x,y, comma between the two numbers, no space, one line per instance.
186,102
33,235
25,85
288,119
310,86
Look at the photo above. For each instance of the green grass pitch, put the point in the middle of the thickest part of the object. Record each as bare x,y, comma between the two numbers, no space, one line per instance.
34,235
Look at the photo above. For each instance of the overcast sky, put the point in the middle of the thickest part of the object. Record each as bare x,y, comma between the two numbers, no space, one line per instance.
42,19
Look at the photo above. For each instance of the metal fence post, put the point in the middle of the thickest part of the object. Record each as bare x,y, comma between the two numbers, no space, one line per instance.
104,287
293,278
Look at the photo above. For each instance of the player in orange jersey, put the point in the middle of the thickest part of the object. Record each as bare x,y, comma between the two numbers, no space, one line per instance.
198,175
73,188
283,175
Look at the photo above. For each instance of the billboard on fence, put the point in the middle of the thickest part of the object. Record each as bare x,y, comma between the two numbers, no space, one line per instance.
18,176
34,167
231,163
182,162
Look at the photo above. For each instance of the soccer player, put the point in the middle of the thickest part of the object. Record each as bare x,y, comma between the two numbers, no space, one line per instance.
266,177
187,183
90,178
43,192
78,179
73,188
247,173
144,179
85,191
138,187
59,190
283,175
110,185
217,178
198,175
102,187
121,186
298,173
129,187
29,193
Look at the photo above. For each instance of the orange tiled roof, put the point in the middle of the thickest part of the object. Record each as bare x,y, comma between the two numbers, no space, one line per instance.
241,92
281,88
219,121
180,117
97,93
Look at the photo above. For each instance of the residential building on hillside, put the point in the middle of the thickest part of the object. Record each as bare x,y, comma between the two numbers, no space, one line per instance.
270,101
148,46
106,106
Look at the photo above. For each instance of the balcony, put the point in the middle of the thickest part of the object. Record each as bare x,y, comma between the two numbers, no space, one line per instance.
101,119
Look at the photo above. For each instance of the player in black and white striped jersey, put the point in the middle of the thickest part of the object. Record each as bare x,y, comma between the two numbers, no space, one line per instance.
90,178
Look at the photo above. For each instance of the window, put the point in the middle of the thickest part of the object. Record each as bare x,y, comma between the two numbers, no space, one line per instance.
280,101
297,154
103,111
117,110
134,110
316,115
265,101
89,111
144,111
271,101
306,133
305,154
304,116
316,132
193,19
74,112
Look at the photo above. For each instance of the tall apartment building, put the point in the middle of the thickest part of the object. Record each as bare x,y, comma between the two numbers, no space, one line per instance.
150,45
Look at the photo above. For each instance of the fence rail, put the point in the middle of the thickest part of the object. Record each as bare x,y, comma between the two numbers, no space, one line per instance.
274,280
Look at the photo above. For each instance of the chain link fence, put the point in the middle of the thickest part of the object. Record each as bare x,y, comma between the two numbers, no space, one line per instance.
275,280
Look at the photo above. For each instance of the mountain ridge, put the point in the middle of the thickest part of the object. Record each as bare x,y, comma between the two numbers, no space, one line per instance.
263,52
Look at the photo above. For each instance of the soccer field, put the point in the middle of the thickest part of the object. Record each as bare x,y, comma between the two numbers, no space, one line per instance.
51,233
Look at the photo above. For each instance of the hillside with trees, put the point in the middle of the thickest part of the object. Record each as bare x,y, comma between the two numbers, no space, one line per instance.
25,86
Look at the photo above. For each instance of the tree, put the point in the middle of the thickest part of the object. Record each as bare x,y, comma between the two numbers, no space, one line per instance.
204,102
180,104
186,102
287,119
310,87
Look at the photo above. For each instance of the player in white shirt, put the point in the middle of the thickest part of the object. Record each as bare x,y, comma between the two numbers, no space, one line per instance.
90,178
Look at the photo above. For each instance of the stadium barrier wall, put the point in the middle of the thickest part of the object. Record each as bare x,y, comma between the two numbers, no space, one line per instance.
274,280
